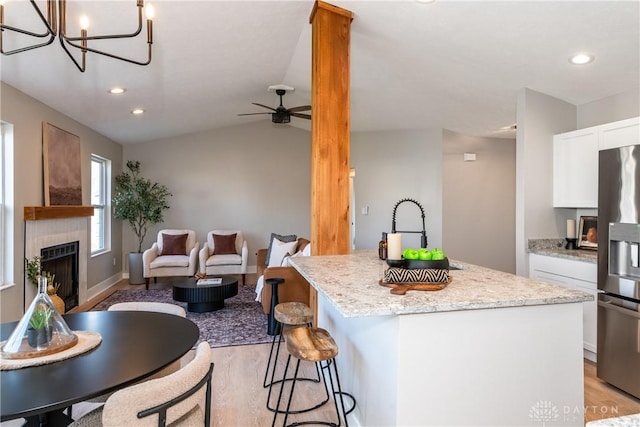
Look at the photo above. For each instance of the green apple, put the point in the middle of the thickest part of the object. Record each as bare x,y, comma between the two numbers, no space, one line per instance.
424,254
410,253
438,254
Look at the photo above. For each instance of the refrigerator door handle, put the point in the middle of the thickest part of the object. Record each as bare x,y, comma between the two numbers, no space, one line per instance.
608,305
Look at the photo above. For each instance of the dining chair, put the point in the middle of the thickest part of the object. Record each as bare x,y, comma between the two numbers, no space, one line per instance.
176,399
160,307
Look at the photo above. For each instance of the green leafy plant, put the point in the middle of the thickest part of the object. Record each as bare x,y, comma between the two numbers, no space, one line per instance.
32,267
40,318
139,201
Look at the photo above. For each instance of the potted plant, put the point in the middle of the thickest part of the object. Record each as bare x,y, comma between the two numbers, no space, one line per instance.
39,330
141,203
34,272
33,269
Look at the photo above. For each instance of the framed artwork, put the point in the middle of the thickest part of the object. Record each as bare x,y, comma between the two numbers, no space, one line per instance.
62,167
588,229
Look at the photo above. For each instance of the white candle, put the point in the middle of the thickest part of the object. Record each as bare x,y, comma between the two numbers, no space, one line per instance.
394,246
571,228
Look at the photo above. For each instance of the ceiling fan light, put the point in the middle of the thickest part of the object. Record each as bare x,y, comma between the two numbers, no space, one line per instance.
281,117
117,90
137,111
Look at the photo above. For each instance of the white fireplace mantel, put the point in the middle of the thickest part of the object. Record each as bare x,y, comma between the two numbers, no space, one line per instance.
43,233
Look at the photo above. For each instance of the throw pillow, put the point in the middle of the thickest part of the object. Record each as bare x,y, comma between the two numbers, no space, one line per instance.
287,238
285,260
279,250
224,244
174,244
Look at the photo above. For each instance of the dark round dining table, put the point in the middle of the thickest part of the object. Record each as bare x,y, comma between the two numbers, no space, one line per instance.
135,345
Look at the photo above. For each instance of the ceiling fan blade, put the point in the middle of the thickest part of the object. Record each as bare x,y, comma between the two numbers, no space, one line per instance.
301,115
300,108
264,106
252,114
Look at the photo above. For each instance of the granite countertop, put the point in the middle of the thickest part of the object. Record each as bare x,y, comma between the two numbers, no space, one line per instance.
351,283
555,248
624,421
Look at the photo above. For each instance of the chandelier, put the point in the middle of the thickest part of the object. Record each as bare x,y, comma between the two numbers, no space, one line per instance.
56,25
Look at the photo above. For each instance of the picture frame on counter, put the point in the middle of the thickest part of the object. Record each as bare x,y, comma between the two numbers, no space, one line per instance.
588,233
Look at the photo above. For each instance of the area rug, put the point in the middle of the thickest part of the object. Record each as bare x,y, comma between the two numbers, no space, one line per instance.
240,322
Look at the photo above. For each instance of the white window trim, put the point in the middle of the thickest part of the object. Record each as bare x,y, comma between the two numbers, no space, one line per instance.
107,205
7,245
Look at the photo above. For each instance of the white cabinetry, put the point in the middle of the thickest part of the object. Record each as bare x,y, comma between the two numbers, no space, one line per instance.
575,275
575,160
619,134
575,169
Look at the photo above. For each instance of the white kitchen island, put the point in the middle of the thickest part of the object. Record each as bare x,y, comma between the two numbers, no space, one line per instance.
491,349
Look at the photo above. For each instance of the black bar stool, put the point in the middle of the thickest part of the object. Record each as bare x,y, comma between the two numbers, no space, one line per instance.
273,327
314,345
289,315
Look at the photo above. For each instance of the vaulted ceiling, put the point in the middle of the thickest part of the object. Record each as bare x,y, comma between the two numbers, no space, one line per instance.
414,64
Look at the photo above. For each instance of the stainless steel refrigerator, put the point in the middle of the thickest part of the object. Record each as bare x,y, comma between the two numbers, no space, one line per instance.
619,268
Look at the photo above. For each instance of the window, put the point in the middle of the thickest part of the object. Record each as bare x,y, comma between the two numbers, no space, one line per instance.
100,200
6,205
3,244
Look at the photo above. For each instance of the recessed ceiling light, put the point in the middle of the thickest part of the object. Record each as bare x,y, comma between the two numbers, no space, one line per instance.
581,58
137,111
117,90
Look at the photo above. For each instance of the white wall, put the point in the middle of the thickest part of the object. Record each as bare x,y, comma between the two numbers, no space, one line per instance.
26,115
390,166
539,117
611,109
254,177
478,224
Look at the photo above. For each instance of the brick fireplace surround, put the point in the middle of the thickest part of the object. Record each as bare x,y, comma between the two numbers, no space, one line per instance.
43,233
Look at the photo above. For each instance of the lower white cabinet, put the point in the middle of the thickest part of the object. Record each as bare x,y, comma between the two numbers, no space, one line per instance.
573,274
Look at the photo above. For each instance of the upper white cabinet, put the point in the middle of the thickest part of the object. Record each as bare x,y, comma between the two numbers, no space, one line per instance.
575,169
619,134
575,160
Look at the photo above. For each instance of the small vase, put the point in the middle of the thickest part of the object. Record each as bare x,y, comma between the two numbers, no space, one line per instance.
58,302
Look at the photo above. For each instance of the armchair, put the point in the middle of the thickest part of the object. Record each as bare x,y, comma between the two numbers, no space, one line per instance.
222,254
175,253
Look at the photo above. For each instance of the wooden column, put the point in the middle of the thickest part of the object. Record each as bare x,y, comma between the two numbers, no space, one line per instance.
330,128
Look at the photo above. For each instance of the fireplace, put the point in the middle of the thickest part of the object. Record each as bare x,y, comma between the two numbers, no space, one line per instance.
51,232
62,260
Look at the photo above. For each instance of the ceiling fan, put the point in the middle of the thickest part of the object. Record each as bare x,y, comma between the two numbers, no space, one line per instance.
282,114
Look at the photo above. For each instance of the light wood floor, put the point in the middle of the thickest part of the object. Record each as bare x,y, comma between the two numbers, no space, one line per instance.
239,398
602,400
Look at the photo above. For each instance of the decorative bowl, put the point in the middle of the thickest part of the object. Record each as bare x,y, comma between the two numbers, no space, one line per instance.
412,264
396,263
